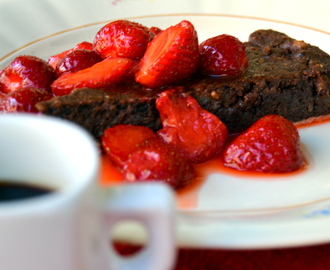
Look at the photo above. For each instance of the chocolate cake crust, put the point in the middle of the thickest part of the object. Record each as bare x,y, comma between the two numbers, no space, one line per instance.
98,109
285,76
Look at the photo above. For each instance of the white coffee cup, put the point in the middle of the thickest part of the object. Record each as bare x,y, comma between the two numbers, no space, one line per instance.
70,228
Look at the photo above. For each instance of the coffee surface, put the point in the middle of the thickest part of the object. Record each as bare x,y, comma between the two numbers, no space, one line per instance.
10,191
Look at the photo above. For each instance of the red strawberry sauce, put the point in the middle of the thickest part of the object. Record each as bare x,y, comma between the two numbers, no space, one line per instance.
187,197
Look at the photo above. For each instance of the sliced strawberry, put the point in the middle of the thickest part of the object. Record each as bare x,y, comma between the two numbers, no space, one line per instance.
171,56
102,74
27,71
197,133
223,55
121,140
77,60
122,38
23,100
155,160
80,46
270,145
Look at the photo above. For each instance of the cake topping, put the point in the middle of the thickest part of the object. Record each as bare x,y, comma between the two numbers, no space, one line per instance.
102,74
142,156
120,141
77,60
26,71
155,160
23,99
85,45
222,55
198,134
270,145
122,38
171,56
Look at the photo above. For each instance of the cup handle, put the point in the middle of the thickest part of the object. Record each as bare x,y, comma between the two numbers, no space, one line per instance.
152,205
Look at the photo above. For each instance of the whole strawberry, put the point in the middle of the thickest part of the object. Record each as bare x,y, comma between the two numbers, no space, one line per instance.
171,56
77,60
270,145
122,38
27,71
197,133
23,100
223,55
85,45
154,160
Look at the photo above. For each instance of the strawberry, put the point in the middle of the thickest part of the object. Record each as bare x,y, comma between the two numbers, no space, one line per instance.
102,74
121,140
156,30
77,60
197,133
27,71
23,100
2,85
270,145
122,38
80,46
6,104
171,56
154,160
223,55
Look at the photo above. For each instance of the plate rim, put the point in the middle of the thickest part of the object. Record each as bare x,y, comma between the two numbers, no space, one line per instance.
166,15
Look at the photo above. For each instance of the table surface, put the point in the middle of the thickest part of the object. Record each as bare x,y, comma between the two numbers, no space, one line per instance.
307,258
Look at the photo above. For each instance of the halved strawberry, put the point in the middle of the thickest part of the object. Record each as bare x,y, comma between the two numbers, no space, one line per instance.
155,160
102,74
122,38
80,46
271,145
171,56
23,100
223,55
27,71
77,60
197,133
121,140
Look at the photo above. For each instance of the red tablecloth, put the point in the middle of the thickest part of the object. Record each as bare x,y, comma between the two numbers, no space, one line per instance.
302,258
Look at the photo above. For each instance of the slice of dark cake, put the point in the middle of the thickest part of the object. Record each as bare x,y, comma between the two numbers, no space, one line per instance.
285,76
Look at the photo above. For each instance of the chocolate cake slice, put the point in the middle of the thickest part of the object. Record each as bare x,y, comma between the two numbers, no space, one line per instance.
99,109
285,76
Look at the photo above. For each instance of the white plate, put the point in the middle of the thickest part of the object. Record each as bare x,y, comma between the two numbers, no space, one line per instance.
238,211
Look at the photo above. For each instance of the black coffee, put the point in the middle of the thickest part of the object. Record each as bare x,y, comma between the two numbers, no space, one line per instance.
10,191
